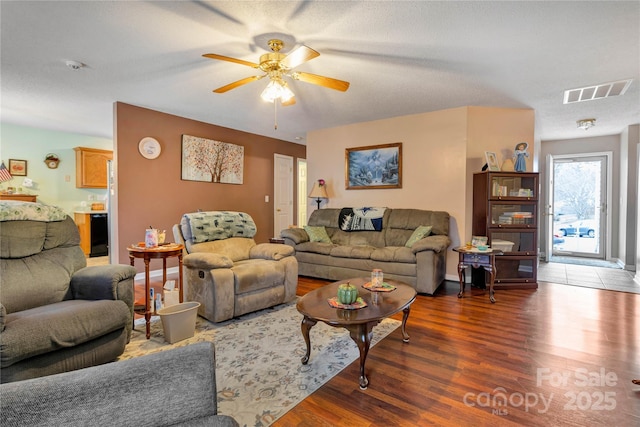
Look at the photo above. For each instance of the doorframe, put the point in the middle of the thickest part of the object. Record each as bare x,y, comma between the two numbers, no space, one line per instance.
548,224
302,192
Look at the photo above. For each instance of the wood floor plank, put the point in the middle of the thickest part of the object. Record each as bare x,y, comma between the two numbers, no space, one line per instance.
560,356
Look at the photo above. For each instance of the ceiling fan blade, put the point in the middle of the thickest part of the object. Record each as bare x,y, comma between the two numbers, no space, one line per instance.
315,79
229,59
234,85
291,101
299,56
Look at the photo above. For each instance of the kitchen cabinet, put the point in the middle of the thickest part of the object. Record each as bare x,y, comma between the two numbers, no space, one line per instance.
91,167
505,209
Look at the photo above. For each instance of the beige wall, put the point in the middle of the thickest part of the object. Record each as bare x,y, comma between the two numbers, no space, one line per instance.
440,152
151,192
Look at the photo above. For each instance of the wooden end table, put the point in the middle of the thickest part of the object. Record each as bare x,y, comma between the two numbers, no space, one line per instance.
477,259
147,254
380,305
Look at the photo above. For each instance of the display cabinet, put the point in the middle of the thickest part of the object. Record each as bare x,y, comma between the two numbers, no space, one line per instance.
505,209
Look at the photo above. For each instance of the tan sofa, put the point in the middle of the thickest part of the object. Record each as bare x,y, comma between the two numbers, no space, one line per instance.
356,253
227,272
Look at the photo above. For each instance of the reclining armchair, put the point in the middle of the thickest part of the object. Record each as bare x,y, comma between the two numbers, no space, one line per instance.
56,314
226,271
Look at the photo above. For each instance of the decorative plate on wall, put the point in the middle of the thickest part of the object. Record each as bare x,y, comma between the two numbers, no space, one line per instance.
149,148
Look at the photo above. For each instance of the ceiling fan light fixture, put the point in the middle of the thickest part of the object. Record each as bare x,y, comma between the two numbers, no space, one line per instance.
276,89
586,124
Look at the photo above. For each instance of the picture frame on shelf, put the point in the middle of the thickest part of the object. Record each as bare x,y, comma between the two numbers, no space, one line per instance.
373,166
17,167
492,161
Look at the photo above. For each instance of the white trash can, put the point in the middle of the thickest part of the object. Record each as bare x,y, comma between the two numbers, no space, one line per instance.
179,321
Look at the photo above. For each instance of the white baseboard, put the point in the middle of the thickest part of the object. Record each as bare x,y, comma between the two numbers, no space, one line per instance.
156,273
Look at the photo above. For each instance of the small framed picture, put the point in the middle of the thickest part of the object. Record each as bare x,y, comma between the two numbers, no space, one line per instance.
492,161
18,167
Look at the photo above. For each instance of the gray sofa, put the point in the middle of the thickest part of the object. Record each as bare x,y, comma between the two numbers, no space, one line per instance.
168,388
356,253
57,314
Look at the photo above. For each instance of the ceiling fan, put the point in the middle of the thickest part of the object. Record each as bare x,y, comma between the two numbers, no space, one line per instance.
276,66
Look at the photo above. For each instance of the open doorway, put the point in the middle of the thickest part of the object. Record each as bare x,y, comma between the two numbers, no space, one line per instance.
578,192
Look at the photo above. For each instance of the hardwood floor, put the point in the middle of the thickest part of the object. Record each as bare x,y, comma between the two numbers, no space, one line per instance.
556,356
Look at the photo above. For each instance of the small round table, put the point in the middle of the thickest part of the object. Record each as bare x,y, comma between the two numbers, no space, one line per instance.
360,322
163,252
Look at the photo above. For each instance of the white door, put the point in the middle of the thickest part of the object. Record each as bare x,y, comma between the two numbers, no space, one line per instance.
282,193
302,192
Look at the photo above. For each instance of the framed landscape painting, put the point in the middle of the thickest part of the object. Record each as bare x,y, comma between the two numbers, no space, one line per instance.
374,166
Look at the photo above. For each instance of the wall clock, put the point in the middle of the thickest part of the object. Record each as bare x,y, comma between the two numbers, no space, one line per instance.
149,148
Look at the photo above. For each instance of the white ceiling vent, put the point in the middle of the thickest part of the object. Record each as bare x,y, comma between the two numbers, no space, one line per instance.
590,93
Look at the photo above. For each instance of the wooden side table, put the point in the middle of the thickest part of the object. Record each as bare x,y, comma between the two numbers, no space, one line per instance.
477,259
18,197
163,252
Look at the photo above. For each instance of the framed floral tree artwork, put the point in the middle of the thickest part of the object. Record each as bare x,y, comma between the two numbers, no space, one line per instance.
211,161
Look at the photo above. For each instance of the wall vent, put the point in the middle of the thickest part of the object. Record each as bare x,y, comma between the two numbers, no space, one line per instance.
590,93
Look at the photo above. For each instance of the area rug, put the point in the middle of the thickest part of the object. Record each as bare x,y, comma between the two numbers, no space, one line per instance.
259,375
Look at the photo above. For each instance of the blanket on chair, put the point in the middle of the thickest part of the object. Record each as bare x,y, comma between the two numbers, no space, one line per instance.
361,219
12,210
217,225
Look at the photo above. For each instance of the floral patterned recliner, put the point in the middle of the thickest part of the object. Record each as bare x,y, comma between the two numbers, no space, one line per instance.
226,271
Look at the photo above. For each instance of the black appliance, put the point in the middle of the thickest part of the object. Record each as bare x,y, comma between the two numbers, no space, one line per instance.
99,235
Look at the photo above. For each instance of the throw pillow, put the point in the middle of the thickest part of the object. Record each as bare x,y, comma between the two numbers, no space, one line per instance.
419,233
317,234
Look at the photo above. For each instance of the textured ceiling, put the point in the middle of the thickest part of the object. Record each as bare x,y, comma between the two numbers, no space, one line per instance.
400,57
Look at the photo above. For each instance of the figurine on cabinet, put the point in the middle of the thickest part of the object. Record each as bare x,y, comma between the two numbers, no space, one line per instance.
519,156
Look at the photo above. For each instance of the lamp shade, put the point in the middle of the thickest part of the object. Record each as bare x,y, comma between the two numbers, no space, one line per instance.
318,191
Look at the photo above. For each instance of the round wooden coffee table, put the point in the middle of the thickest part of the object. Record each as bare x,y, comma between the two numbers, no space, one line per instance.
359,322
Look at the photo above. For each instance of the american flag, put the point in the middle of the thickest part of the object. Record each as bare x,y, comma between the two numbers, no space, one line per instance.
4,173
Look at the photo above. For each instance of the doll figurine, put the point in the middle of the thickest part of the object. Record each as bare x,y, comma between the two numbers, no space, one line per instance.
519,156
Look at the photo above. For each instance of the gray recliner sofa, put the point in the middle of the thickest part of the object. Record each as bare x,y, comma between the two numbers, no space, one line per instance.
57,314
175,387
355,253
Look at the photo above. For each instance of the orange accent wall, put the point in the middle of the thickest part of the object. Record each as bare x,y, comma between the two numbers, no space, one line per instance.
152,193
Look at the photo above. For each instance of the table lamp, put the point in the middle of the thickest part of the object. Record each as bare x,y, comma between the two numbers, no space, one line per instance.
319,191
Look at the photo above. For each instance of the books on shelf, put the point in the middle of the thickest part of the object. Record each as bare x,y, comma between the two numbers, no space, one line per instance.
516,218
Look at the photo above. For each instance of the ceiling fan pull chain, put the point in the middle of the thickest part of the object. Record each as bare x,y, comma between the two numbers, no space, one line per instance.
275,114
